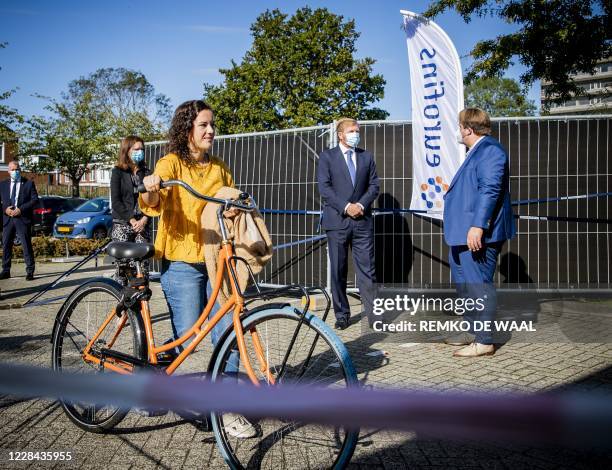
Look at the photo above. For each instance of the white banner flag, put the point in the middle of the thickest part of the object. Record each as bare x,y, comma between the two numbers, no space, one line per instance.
437,98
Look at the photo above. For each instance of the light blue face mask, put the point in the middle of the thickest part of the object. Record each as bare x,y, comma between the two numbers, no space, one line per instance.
352,138
15,175
137,156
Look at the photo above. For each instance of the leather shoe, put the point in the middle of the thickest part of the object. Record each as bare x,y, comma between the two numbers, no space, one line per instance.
5,275
475,350
461,339
29,276
341,324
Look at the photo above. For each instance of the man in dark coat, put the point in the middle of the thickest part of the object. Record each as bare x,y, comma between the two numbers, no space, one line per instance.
19,198
348,185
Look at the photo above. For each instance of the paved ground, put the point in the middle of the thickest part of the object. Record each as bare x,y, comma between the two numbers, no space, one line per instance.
170,442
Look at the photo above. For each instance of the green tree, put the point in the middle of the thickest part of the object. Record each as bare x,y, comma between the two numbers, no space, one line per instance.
555,39
498,97
75,138
300,71
9,117
127,98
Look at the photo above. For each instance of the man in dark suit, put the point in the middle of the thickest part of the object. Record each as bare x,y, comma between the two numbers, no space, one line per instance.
19,197
348,185
477,221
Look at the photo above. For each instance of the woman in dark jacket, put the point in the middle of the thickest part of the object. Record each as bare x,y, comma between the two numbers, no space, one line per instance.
129,223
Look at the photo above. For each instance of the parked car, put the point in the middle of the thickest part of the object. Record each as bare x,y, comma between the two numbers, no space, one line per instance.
90,220
49,208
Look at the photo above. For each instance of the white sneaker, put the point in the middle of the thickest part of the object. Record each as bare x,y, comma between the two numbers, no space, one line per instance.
238,426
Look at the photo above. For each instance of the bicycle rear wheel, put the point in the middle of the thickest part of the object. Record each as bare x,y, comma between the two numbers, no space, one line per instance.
82,315
282,443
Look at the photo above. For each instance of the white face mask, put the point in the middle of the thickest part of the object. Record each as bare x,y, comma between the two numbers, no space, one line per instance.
459,137
352,139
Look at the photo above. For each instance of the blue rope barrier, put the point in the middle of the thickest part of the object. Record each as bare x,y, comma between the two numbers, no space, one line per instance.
557,199
289,212
378,211
300,242
385,211
552,218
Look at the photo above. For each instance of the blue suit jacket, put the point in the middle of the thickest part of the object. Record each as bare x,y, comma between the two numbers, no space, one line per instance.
479,196
27,200
336,187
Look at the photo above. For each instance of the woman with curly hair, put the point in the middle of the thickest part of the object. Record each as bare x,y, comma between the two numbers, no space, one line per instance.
179,241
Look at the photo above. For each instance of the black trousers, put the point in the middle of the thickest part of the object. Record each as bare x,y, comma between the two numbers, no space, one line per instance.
17,226
359,236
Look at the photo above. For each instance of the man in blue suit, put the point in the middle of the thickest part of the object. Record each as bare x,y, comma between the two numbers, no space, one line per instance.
477,221
19,198
348,185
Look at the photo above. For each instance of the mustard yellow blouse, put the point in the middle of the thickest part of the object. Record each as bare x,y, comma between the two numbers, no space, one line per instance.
179,231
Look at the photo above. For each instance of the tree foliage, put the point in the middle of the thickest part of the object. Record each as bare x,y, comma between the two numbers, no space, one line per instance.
498,97
127,99
555,39
300,71
75,138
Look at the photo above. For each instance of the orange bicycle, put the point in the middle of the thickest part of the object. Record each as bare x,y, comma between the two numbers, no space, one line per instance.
106,327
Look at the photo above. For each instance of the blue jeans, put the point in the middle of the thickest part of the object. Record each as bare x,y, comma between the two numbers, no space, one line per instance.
187,289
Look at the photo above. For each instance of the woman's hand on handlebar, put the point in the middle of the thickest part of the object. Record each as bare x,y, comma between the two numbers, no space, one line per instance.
231,212
152,183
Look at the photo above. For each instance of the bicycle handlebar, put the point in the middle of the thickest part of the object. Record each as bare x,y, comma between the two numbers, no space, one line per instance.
226,202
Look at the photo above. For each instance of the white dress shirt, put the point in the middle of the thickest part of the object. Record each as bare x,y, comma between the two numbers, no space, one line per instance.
344,151
469,152
18,183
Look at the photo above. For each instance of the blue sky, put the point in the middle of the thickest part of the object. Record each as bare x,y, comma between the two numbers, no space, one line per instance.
179,45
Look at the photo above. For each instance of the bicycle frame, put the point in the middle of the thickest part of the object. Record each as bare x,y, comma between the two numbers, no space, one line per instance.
200,329
124,364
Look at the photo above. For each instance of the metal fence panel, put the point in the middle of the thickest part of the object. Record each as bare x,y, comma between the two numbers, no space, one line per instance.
549,158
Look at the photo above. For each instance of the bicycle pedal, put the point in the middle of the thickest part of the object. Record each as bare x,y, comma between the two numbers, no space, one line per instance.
165,358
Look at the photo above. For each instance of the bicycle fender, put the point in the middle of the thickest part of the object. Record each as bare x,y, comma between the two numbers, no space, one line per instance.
104,280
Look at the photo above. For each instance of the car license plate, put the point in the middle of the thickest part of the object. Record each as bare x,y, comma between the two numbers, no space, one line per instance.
64,229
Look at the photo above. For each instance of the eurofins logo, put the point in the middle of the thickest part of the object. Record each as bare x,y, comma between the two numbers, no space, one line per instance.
433,191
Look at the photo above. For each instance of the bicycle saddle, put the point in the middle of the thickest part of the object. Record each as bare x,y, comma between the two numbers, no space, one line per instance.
129,250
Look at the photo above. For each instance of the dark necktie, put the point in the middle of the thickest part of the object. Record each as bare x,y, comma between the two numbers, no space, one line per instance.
351,165
14,194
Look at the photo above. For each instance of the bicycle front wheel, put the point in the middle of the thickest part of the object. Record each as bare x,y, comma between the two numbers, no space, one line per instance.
317,358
